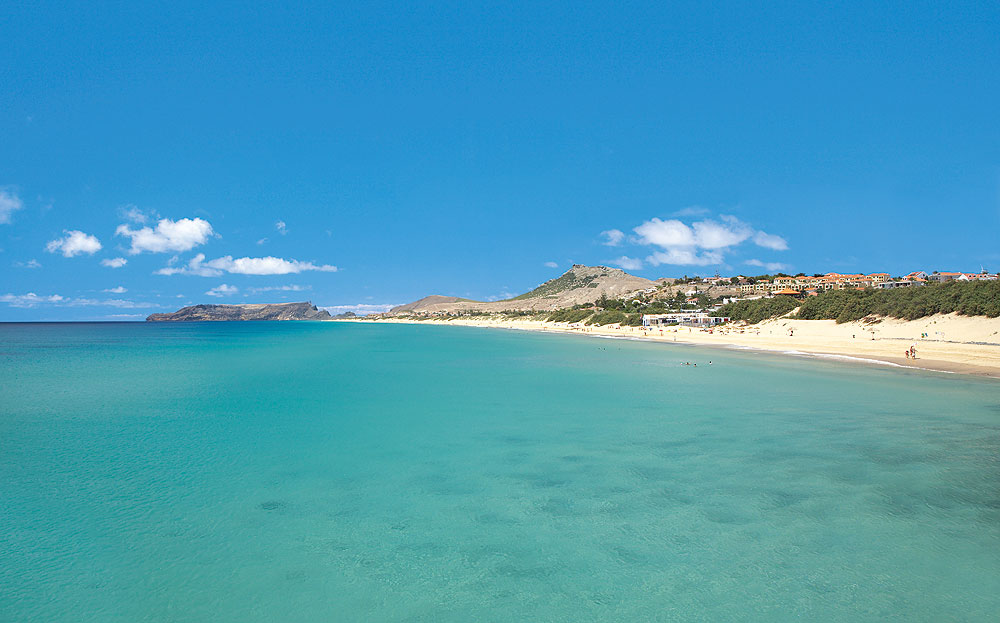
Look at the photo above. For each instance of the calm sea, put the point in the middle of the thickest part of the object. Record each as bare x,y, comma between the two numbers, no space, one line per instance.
343,472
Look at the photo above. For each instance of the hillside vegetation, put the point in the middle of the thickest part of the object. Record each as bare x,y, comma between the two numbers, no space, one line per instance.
569,280
968,298
596,317
758,310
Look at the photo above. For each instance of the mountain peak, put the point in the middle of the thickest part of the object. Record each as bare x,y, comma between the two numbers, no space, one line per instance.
580,284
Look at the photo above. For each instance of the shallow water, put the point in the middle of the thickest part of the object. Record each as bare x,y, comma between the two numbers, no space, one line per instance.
329,471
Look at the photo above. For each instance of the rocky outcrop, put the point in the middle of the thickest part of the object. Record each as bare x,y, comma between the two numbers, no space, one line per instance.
259,311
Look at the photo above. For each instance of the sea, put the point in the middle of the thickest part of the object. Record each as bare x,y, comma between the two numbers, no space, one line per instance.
307,471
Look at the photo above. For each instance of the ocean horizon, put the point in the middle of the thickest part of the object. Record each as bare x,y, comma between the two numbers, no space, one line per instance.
388,472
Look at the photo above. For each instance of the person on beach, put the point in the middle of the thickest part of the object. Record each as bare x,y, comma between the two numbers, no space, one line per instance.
906,354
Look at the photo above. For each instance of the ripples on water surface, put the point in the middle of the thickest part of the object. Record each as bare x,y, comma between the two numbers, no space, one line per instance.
318,472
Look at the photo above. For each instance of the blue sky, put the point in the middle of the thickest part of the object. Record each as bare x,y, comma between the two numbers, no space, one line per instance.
376,153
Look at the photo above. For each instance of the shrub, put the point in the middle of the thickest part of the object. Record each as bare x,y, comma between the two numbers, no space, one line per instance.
968,298
608,317
570,315
757,310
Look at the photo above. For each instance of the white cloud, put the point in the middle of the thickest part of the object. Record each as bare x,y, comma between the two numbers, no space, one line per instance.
133,214
111,303
770,241
180,235
117,290
714,235
281,227
223,290
262,241
244,266
770,266
701,243
9,203
292,288
267,266
684,257
504,295
613,237
29,300
671,233
33,300
28,264
75,242
194,267
115,262
707,234
627,263
551,265
360,309
691,211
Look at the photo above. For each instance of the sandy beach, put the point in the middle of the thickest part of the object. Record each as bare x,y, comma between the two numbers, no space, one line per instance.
944,343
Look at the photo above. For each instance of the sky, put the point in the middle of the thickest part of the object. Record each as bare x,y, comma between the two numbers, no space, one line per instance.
157,155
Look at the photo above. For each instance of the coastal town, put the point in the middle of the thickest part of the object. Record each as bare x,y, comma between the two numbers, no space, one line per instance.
699,310
813,285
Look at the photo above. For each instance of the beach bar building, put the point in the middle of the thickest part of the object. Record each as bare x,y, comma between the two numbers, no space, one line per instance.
691,319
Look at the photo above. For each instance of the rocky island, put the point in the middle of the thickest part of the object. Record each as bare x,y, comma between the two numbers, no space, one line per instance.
258,311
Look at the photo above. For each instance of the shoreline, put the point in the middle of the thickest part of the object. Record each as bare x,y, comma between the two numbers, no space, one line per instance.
976,353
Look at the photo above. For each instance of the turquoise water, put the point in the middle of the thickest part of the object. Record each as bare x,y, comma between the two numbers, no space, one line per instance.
327,472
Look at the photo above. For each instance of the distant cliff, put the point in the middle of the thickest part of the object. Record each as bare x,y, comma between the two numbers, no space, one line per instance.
261,311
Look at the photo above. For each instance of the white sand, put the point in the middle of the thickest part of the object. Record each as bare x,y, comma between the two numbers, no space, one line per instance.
967,345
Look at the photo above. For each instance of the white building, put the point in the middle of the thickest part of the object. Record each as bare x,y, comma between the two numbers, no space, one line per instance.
942,277
698,319
902,283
